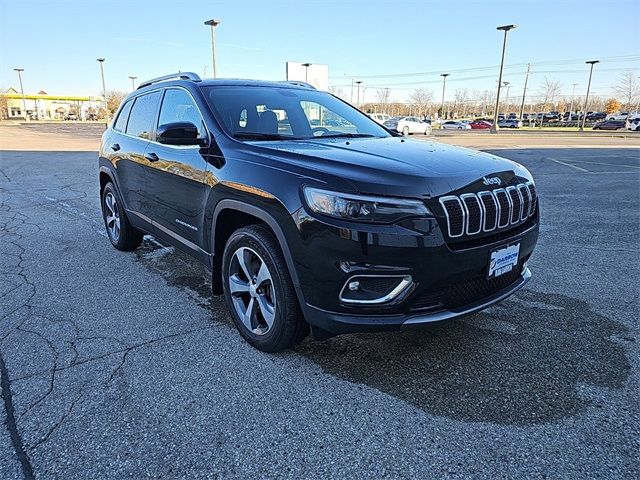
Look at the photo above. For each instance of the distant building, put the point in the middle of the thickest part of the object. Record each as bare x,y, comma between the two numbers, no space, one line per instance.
42,106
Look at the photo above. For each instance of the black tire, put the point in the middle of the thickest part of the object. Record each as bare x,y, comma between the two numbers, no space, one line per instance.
289,326
127,238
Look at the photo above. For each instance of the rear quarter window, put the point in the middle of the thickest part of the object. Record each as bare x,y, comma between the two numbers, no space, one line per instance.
120,124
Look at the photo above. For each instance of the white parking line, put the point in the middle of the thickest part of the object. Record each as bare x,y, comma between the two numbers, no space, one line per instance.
580,169
607,164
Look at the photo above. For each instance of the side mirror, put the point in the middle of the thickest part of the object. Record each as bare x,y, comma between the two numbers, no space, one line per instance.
179,133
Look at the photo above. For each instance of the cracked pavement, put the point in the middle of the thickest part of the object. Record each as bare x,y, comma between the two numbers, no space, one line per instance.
124,365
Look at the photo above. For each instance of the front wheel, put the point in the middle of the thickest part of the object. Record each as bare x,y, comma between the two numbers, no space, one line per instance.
405,131
259,290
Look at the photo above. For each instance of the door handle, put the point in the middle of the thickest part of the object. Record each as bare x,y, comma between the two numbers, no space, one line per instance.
115,147
152,157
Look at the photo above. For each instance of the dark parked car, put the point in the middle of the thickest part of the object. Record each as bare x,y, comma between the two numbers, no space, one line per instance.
596,116
611,125
342,228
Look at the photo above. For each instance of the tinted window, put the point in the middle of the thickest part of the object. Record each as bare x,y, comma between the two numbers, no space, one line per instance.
142,115
121,121
178,106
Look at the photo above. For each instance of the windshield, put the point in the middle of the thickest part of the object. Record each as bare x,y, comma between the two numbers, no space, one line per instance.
273,113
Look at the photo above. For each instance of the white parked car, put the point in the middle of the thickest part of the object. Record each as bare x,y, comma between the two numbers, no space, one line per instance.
407,125
634,124
456,125
622,115
380,117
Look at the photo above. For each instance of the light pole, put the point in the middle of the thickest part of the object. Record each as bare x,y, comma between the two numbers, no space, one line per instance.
444,84
507,85
306,71
358,82
133,82
505,29
213,23
24,101
573,93
104,90
586,98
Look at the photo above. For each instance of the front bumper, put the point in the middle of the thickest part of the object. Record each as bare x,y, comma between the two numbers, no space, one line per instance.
338,323
329,254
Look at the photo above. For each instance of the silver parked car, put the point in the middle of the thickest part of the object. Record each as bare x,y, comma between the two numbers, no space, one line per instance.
456,125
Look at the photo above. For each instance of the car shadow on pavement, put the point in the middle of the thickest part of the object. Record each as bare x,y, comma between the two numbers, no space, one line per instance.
531,359
526,361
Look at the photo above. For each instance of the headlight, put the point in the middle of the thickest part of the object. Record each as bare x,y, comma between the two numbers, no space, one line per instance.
363,208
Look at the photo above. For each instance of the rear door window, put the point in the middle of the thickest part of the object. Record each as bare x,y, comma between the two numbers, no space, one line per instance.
142,116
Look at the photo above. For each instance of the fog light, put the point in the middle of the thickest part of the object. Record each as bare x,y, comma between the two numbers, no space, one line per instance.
374,289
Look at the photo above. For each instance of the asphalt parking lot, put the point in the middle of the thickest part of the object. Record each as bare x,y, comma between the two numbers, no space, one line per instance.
123,365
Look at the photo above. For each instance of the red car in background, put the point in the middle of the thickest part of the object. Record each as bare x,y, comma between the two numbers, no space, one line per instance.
480,124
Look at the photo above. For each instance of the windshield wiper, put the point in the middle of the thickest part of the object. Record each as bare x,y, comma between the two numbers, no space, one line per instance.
346,135
262,136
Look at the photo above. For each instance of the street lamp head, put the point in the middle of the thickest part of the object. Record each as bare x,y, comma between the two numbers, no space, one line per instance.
445,74
133,78
506,28
592,62
505,83
100,59
18,69
307,64
213,22
358,82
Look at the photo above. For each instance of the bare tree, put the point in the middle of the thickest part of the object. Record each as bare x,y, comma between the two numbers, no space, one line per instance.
421,98
549,91
338,92
4,107
461,97
628,89
114,99
383,95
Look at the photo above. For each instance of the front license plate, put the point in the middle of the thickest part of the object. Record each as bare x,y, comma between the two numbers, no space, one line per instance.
503,260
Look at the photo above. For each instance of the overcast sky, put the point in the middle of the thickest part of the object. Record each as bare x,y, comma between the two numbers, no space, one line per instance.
57,42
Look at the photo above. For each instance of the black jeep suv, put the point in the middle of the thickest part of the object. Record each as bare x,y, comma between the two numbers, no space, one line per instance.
310,213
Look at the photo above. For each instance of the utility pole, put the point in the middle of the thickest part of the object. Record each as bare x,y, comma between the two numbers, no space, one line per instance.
24,101
524,91
213,23
586,98
104,91
505,29
444,84
133,82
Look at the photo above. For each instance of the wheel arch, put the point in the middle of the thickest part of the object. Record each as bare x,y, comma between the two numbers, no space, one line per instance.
245,214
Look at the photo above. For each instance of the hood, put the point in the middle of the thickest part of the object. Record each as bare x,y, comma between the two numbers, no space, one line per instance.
394,166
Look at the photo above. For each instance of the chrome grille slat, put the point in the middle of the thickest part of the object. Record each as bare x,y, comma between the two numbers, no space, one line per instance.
474,213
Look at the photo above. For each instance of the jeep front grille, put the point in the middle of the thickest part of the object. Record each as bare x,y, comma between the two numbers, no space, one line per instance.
474,213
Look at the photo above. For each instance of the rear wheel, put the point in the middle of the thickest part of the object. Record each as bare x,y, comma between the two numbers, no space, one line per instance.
259,290
122,235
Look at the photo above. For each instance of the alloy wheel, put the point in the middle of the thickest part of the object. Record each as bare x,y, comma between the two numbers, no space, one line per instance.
112,216
252,290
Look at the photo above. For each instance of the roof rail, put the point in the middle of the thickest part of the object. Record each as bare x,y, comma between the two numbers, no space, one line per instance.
179,76
300,84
